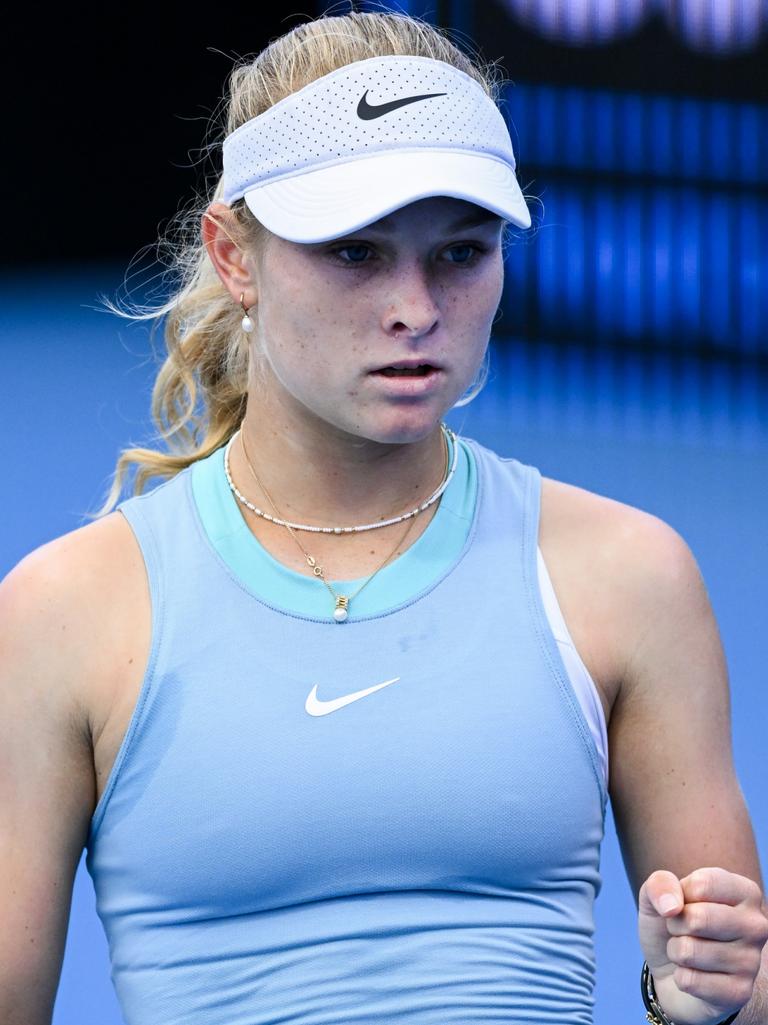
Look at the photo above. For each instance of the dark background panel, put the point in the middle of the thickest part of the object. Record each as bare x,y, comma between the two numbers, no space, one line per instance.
106,122
110,119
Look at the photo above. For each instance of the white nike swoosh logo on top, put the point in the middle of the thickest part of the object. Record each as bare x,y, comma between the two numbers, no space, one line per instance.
315,706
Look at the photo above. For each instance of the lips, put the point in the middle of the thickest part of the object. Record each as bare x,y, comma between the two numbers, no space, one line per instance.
420,371
411,382
407,367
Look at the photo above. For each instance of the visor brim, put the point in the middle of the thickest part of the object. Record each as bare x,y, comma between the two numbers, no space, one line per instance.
332,201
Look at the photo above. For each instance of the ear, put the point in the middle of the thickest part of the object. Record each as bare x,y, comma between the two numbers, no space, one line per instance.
234,267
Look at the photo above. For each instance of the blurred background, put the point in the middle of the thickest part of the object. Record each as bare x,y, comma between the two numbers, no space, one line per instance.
631,358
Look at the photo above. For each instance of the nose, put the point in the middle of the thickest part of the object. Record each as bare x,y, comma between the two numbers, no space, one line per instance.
412,308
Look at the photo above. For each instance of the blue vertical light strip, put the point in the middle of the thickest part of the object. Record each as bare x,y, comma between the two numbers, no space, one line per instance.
606,259
601,118
547,254
686,315
547,150
573,153
661,255
612,262
747,144
633,137
644,258
662,116
588,311
573,269
761,120
721,153
634,250
752,284
634,134
717,275
761,304
521,113
517,290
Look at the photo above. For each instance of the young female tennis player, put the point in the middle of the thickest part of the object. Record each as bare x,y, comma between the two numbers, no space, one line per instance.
331,707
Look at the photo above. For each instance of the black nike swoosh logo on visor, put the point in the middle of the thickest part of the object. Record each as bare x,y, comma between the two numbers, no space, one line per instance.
367,112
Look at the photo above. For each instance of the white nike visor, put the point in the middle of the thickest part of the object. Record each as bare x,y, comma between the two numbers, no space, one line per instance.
367,139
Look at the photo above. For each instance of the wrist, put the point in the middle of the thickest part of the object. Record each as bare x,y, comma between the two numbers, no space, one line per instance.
654,1012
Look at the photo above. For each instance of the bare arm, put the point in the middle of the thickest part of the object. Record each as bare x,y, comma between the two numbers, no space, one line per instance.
676,798
47,786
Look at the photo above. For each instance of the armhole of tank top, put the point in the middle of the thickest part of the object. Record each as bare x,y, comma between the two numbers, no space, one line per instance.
145,538
531,515
576,669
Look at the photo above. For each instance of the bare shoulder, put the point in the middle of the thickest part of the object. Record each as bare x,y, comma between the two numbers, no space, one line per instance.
572,508
84,595
617,566
64,634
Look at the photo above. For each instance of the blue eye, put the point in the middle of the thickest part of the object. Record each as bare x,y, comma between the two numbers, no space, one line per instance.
470,251
356,249
356,254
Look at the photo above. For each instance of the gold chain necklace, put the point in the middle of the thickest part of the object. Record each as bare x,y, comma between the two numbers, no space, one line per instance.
341,609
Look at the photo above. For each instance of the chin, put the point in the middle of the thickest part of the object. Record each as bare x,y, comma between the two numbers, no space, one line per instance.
404,430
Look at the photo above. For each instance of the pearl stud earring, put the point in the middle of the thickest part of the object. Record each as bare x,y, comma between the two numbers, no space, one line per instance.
246,323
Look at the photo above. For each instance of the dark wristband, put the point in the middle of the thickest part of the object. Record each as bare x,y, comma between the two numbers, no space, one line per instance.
655,1015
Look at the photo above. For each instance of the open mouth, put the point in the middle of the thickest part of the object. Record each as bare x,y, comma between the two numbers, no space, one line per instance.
420,371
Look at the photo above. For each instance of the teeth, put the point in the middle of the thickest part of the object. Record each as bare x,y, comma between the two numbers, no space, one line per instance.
402,371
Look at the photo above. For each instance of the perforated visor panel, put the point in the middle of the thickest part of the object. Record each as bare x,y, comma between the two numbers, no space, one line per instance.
366,139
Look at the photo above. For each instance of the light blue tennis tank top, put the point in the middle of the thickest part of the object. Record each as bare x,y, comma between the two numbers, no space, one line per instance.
275,845
273,582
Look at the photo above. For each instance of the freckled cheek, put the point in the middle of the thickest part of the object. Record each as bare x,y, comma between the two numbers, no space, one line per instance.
476,307
312,359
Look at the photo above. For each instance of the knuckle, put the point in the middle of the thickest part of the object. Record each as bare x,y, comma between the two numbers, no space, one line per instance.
701,881
684,979
701,919
682,950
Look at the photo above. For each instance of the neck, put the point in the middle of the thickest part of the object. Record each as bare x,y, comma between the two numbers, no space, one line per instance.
331,478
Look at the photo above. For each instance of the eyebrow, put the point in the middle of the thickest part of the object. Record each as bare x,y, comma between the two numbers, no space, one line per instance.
472,220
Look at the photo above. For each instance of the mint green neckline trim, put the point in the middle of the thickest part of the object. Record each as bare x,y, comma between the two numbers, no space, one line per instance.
419,566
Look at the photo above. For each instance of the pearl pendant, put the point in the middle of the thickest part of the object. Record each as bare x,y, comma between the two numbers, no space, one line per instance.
247,324
340,615
340,612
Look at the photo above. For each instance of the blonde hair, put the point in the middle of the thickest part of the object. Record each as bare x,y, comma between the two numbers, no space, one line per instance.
207,362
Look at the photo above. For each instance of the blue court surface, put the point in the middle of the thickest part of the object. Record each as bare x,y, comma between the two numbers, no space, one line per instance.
663,429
